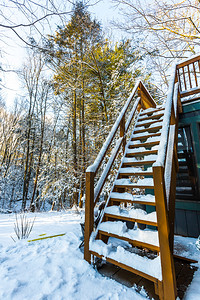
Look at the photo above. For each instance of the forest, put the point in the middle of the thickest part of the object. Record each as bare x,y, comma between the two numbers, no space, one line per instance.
76,82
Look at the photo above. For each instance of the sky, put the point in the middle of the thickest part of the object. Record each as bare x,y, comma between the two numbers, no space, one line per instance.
13,51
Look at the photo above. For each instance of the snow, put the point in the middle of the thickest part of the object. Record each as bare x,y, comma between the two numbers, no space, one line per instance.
153,139
186,247
130,170
145,122
119,228
143,182
55,268
134,170
148,266
52,268
145,134
151,157
132,213
127,196
140,149
156,124
153,113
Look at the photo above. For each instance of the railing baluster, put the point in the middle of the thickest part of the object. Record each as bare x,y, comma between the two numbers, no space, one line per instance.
184,78
195,74
122,132
179,79
189,76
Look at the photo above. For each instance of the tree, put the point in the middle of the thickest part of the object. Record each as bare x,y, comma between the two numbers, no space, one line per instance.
72,45
95,77
167,29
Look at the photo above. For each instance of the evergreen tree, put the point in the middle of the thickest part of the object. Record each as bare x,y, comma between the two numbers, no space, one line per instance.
95,78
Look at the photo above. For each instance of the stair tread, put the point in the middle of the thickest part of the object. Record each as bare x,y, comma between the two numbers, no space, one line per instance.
150,267
136,171
140,123
140,151
143,182
135,198
150,139
133,213
137,144
141,130
146,159
151,117
151,110
144,136
119,228
150,125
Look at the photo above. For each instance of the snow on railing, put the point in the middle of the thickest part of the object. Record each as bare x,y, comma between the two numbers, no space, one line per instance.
162,150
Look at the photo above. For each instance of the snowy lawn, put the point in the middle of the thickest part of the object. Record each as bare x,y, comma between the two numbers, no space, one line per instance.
54,269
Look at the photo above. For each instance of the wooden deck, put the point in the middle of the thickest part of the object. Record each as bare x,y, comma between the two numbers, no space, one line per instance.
184,275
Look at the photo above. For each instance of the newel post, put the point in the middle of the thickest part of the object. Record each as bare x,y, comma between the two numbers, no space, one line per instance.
168,272
89,213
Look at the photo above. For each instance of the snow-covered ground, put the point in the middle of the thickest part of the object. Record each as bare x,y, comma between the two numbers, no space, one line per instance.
54,269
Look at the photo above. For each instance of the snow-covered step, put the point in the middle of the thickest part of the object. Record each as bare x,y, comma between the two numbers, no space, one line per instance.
151,117
151,110
137,237
138,144
131,214
145,135
146,183
142,266
137,199
147,160
137,171
157,126
139,152
148,122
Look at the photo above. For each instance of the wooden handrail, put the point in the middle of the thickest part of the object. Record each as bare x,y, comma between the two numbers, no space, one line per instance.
188,61
188,76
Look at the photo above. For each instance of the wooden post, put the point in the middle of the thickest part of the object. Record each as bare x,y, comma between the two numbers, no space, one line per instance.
89,213
171,205
167,263
122,132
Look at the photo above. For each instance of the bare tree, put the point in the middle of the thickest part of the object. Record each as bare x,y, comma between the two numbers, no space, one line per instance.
166,29
27,18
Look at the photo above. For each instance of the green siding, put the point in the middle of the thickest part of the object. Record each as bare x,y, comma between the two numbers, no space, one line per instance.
187,214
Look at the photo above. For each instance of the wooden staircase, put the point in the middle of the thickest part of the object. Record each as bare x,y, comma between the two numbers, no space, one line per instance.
136,228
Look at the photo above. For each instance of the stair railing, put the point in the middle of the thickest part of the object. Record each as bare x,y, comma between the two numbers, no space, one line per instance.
164,174
188,73
144,100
